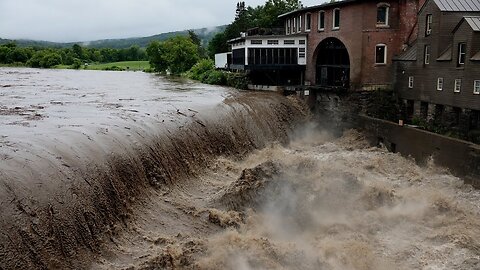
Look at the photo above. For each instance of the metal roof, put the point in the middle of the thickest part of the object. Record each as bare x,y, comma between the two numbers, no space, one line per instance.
474,22
446,55
458,5
476,57
409,55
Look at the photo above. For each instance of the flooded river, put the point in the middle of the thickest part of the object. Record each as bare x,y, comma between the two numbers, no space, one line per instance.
112,170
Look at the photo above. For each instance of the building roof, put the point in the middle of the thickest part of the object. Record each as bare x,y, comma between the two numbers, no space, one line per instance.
409,55
446,55
324,5
476,57
474,22
458,5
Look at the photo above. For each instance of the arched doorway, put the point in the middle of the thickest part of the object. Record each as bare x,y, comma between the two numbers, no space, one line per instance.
333,64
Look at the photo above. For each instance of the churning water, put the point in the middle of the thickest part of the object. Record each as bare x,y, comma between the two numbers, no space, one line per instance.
209,178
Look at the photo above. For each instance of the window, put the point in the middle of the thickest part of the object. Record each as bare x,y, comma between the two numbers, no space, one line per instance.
256,41
428,24
299,22
336,18
410,82
301,52
440,84
426,55
289,42
287,30
321,20
461,54
272,42
381,54
458,86
476,87
294,28
382,14
301,42
308,22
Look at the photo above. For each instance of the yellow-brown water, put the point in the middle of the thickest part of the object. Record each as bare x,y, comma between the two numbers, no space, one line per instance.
317,203
135,171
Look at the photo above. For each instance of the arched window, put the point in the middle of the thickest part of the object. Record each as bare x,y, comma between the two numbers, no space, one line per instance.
382,14
381,54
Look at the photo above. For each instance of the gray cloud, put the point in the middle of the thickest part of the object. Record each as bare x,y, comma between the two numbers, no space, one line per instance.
82,20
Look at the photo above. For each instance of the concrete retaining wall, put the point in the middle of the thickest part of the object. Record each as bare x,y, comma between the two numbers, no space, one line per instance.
461,157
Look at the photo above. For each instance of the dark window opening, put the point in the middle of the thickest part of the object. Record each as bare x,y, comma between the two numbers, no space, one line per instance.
380,54
308,22
333,64
321,20
272,56
475,119
424,110
382,15
410,109
336,18
238,57
457,112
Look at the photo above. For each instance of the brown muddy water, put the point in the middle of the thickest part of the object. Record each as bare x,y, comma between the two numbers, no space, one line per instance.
109,170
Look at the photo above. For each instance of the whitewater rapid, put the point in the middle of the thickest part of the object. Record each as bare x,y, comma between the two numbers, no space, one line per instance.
319,202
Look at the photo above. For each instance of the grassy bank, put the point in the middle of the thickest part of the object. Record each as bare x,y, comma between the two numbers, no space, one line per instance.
115,66
125,65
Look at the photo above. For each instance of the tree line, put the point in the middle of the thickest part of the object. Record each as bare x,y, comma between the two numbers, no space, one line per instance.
179,54
77,55
176,55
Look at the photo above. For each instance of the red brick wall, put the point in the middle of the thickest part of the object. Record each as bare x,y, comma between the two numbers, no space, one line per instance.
359,33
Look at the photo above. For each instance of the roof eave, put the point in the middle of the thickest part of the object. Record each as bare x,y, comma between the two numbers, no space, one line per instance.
326,5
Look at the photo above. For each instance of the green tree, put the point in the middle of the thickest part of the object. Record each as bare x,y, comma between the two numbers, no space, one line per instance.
156,55
177,54
45,59
78,51
77,64
51,59
218,44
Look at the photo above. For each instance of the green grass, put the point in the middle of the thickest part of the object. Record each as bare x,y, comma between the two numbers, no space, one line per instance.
125,65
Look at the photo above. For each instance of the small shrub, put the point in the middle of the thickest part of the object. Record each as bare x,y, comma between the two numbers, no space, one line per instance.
77,64
201,70
237,80
114,68
215,77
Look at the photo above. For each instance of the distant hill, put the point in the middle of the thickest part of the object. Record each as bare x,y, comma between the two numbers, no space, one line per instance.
205,35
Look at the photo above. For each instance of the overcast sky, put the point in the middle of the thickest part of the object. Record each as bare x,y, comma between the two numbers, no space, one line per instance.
85,20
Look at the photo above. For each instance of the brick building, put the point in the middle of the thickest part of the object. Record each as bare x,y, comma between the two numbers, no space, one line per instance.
438,78
351,43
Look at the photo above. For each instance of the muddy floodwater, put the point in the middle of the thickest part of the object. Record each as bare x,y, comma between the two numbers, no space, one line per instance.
124,170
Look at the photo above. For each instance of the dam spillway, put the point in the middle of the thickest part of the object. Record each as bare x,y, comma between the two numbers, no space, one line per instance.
113,170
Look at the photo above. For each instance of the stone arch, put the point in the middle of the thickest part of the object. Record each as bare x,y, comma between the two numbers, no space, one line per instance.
332,64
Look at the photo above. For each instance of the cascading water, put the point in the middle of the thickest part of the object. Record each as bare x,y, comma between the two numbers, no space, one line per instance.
185,176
